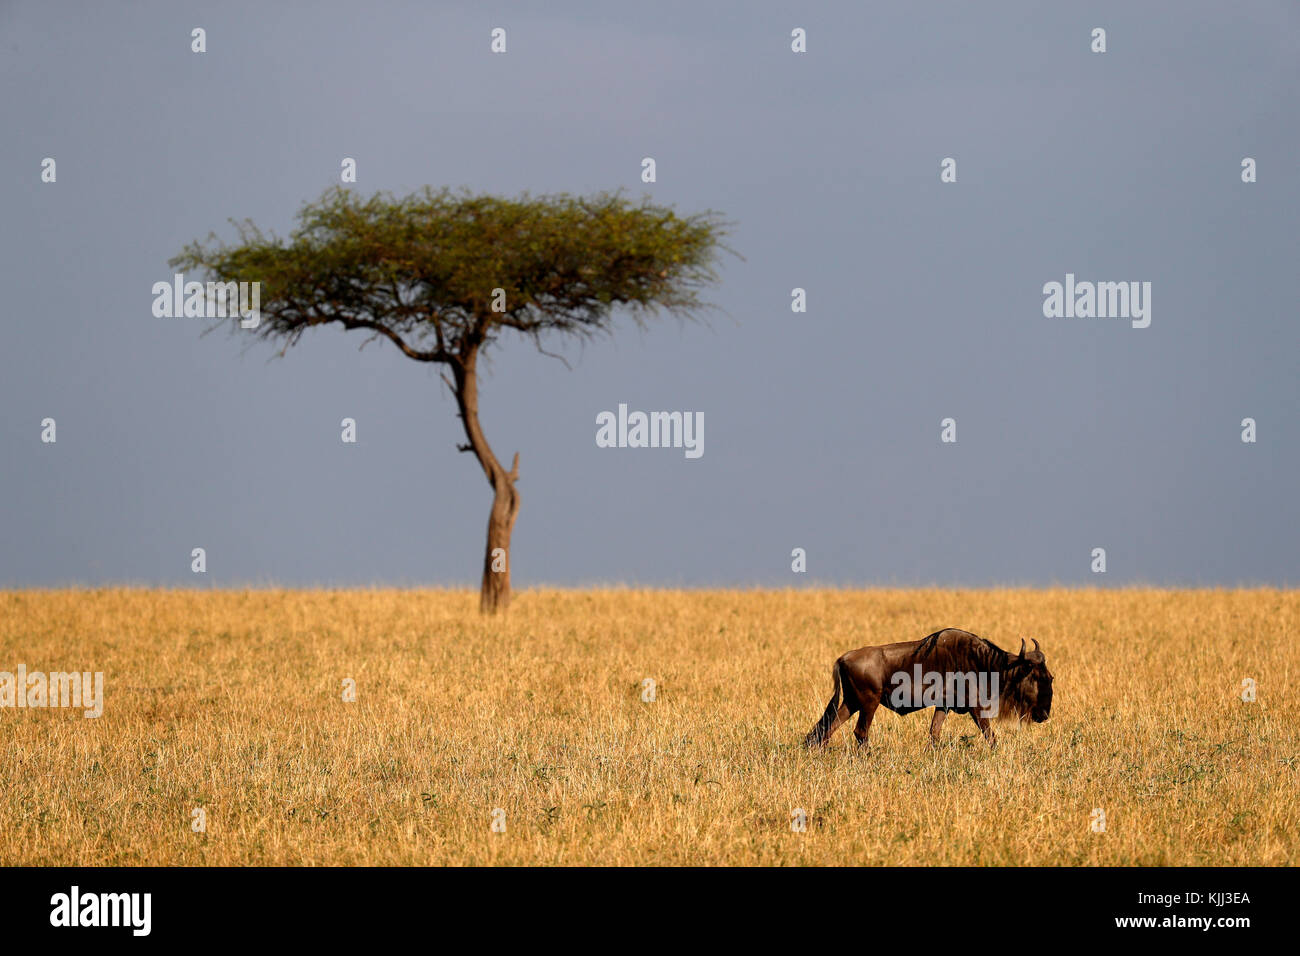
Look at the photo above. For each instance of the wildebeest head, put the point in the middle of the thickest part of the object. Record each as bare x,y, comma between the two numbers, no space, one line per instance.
1030,690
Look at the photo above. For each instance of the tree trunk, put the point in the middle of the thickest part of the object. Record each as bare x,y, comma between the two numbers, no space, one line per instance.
494,595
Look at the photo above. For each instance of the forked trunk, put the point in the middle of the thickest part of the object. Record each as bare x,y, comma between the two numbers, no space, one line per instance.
494,595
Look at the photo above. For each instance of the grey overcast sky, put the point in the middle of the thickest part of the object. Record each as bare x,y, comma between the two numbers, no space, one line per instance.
925,299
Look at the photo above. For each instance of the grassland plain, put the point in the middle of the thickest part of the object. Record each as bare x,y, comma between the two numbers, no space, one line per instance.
232,701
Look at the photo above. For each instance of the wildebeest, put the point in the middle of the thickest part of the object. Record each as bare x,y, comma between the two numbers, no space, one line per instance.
958,672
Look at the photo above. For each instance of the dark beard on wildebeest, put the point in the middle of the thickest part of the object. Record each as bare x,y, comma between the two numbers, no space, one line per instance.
1020,685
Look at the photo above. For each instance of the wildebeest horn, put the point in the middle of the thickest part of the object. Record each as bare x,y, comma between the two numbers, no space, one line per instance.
1022,647
1037,649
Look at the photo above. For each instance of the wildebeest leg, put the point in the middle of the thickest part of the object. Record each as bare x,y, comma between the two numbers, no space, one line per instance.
935,724
986,728
864,721
839,708
823,731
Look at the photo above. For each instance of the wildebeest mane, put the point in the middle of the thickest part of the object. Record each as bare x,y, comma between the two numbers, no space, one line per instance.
981,654
983,651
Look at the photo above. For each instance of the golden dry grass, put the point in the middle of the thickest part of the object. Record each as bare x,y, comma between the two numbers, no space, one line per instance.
231,701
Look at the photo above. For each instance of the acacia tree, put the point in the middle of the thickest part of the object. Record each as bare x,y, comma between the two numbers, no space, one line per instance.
444,275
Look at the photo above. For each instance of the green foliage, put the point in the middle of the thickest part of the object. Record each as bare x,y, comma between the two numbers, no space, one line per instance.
422,270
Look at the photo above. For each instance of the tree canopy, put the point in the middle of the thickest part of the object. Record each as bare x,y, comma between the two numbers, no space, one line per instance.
427,270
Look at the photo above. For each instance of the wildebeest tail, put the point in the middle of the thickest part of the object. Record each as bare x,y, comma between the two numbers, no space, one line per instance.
817,735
